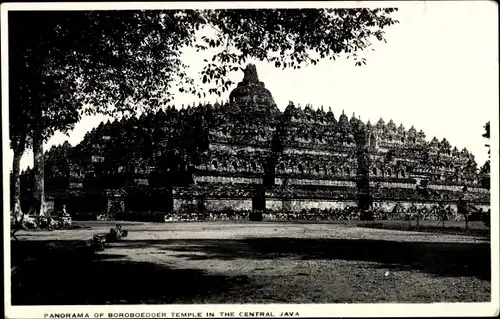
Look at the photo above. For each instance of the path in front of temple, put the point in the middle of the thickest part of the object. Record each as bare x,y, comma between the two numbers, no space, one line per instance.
224,262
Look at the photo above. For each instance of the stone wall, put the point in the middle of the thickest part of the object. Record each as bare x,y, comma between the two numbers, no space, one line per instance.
304,209
235,204
454,188
234,150
76,185
484,207
245,204
232,204
308,151
388,206
180,203
296,205
322,182
227,180
457,188
393,185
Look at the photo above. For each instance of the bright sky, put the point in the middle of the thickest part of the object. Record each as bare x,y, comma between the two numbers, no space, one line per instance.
438,71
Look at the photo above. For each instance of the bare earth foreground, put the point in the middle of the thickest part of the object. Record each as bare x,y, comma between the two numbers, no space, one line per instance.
254,263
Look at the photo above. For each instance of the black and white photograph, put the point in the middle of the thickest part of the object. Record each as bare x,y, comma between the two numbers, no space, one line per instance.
250,159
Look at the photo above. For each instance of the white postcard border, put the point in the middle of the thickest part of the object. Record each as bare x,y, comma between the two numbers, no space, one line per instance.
305,310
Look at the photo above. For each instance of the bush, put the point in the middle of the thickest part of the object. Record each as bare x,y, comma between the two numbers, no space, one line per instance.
226,214
29,222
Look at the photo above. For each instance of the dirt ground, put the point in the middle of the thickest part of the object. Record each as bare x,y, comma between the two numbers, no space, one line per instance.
224,262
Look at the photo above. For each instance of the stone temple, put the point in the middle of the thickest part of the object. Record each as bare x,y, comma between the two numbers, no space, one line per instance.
246,155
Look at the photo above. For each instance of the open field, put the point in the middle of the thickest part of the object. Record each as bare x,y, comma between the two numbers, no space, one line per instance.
244,262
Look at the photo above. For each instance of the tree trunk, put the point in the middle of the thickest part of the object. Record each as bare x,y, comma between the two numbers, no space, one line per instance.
39,187
16,210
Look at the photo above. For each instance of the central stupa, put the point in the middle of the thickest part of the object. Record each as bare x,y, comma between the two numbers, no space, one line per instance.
251,95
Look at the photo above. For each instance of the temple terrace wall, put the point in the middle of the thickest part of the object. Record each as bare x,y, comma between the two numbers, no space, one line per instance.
235,204
297,205
321,182
388,206
228,180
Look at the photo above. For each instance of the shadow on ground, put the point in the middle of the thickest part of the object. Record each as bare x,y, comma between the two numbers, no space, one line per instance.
49,276
441,259
477,229
46,274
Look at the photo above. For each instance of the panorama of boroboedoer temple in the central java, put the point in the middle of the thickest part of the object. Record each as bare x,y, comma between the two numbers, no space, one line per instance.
246,155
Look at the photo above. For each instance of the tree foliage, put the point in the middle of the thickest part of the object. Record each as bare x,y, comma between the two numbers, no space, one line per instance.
487,130
288,38
127,61
67,63
487,135
485,169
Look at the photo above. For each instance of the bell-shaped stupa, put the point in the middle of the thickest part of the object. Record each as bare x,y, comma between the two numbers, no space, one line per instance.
252,96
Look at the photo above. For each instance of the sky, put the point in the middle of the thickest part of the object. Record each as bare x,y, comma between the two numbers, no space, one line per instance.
438,71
